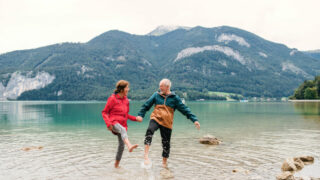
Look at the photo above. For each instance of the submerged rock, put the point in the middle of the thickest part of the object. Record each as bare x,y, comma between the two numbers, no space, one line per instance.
241,170
209,139
165,173
296,164
307,159
291,165
299,164
286,176
32,148
306,178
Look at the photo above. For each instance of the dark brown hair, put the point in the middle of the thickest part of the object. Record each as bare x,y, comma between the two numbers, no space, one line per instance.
121,85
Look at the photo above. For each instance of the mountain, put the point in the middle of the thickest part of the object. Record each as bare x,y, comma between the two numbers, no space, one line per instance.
314,54
161,30
198,61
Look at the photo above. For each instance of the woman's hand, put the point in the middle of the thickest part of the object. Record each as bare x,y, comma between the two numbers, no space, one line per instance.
110,128
139,118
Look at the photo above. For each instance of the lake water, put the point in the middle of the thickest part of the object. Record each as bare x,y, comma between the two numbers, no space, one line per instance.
257,138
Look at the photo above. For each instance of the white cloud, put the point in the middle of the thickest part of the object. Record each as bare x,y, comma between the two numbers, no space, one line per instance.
84,69
232,37
263,54
223,63
34,23
59,93
165,29
226,50
287,66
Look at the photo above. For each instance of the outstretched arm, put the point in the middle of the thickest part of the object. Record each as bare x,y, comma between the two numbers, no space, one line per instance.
147,105
132,118
186,111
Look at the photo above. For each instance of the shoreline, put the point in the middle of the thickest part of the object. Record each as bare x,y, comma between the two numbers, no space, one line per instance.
304,100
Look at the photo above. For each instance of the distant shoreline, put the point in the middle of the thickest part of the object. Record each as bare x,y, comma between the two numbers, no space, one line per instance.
304,100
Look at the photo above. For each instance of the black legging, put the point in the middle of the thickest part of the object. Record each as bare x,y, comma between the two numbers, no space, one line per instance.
165,136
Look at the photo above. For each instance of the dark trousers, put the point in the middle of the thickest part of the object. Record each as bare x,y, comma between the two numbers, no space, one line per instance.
165,136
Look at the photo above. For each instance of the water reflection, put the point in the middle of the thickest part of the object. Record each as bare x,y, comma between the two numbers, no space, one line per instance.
19,113
50,113
257,137
309,110
166,173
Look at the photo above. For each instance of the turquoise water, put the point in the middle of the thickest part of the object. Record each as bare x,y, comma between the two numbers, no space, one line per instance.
257,138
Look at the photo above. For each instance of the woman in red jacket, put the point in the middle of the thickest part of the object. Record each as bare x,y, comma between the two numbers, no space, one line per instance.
115,115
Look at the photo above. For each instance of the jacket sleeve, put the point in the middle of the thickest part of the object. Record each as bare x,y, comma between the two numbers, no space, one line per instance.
106,111
185,110
132,118
147,105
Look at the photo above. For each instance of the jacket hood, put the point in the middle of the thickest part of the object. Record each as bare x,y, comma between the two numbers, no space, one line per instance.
171,94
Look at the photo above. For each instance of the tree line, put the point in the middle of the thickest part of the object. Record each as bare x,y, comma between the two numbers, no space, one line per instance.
309,89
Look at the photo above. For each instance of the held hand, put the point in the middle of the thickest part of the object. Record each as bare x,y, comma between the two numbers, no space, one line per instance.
110,128
139,118
197,124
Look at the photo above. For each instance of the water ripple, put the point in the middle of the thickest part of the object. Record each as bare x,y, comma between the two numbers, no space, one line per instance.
67,155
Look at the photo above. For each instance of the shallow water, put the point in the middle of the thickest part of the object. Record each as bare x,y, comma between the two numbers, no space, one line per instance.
257,138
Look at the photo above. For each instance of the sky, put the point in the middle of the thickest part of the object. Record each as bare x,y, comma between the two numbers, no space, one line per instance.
27,24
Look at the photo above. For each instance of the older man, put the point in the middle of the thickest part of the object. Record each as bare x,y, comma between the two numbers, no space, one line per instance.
166,102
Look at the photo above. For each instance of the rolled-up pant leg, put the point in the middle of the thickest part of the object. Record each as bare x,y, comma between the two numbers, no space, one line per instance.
118,128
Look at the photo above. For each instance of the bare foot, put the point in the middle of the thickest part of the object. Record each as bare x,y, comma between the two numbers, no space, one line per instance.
164,165
133,147
116,164
146,161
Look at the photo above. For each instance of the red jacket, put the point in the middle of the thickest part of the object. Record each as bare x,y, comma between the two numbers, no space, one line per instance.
116,111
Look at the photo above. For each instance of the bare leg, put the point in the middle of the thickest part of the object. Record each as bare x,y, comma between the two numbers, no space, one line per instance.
153,126
129,145
116,164
165,136
121,130
164,162
146,154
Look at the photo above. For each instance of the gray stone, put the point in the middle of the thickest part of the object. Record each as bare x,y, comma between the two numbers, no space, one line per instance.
298,163
209,139
287,175
292,164
306,159
288,165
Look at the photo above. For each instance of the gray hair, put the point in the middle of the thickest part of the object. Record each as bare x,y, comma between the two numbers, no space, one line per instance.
166,82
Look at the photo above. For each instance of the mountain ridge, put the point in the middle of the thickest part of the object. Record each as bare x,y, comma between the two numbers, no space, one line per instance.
199,59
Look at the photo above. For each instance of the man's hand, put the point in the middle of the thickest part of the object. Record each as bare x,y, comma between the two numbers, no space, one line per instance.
197,124
110,128
139,118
